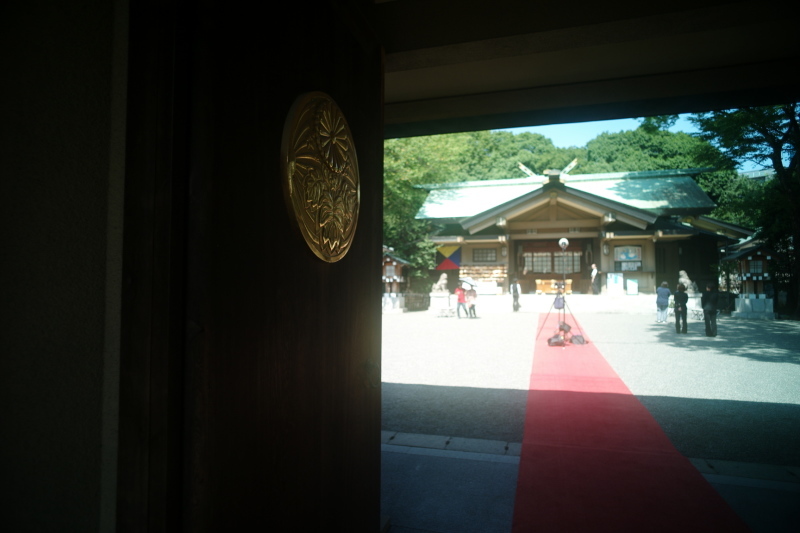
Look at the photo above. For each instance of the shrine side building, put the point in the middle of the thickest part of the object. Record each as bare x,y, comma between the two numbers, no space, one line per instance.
639,228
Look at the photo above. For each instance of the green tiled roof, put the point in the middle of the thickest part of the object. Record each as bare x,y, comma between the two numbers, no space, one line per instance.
658,195
467,200
658,192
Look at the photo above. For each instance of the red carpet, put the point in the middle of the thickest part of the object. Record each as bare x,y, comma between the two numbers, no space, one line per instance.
594,459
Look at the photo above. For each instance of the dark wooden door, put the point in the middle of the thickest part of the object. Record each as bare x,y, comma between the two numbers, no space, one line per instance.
250,393
283,382
668,263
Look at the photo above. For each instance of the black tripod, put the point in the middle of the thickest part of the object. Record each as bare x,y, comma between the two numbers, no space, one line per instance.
561,306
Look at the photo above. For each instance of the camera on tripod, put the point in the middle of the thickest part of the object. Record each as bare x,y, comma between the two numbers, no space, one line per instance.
563,335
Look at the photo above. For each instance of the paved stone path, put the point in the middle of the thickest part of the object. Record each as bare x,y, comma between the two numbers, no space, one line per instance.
735,397
454,396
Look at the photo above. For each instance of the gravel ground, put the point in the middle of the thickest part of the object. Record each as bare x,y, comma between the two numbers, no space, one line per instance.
733,397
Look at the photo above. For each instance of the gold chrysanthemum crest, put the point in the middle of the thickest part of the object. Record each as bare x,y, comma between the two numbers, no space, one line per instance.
320,175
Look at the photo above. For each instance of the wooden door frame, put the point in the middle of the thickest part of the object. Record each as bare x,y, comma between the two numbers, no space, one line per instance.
149,476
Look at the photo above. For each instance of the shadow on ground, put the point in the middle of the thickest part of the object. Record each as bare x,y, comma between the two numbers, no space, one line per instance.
753,432
493,414
770,342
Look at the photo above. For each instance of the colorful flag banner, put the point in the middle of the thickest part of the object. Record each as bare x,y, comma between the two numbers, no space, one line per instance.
448,257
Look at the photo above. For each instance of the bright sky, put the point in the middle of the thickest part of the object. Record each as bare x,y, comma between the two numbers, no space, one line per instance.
580,133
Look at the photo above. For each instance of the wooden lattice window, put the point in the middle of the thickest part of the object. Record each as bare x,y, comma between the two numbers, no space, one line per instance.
568,263
539,262
484,255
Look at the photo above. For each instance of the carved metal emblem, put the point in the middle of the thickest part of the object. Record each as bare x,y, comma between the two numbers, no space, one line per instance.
320,175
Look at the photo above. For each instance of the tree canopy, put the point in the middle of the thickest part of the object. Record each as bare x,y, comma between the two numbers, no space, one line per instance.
641,149
409,162
769,137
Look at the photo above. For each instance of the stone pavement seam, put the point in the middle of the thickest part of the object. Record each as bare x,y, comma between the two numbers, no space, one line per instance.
458,444
725,472
450,454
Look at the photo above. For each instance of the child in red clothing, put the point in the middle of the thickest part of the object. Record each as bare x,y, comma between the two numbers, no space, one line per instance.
461,296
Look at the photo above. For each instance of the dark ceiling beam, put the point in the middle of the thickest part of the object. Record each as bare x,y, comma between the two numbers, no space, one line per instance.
674,93
416,24
464,66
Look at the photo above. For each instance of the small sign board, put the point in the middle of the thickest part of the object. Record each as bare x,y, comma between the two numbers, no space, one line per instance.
633,286
614,283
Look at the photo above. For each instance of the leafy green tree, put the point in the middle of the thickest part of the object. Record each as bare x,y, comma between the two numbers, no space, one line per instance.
769,137
738,198
658,123
734,194
641,149
558,159
495,154
409,162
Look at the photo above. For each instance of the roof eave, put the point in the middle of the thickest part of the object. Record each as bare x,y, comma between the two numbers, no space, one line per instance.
489,217
718,227
631,215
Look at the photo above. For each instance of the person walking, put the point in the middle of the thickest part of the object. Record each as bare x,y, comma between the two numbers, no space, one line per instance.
472,298
516,289
709,302
681,303
595,280
662,302
461,298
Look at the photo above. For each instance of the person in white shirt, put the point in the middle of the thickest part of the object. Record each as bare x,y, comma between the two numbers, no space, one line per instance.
595,280
516,289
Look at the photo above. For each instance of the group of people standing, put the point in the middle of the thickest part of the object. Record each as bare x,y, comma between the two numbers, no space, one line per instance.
466,298
709,301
